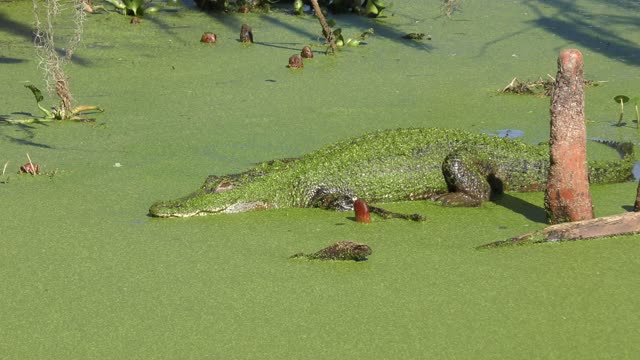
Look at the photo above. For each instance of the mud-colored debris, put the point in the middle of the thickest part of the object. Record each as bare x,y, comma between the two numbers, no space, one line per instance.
306,52
448,7
209,38
29,168
540,87
614,225
417,36
295,62
342,250
246,34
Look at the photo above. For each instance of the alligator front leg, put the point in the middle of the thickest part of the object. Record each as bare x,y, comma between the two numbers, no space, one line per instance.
332,198
469,180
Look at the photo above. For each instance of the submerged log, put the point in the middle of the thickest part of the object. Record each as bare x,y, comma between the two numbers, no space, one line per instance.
614,225
567,196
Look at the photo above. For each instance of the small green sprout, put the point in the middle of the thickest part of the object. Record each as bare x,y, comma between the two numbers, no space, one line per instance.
621,99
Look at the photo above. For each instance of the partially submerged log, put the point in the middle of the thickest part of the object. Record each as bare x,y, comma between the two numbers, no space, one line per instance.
614,225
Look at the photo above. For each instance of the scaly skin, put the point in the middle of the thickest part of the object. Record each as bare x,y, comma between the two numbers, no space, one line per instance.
385,166
342,250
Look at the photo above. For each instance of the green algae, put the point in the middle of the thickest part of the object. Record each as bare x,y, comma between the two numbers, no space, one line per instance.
87,275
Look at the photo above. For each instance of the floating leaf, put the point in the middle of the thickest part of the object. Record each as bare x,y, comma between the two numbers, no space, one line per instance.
36,92
621,98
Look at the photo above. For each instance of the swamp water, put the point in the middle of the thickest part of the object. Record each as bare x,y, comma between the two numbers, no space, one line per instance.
86,274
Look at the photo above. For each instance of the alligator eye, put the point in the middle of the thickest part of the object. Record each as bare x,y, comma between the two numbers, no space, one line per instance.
223,186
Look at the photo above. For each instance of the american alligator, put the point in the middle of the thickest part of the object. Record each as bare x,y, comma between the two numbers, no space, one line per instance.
454,166
342,250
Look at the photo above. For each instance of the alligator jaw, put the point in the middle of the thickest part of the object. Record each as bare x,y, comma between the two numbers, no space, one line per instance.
230,209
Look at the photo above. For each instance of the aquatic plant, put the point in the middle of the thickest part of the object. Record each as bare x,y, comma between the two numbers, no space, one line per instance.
298,7
29,168
132,7
373,8
354,41
448,7
53,63
621,99
216,5
4,169
636,102
57,113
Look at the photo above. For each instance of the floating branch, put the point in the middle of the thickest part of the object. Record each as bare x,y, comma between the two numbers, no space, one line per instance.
615,225
540,87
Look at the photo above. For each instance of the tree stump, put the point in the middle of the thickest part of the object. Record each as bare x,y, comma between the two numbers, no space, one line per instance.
567,196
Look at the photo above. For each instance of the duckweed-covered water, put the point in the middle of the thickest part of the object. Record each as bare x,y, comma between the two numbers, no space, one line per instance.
86,274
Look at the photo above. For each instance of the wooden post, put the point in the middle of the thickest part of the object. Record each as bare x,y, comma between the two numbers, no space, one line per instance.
567,196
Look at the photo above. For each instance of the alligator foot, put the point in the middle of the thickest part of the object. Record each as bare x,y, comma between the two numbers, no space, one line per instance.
457,199
469,179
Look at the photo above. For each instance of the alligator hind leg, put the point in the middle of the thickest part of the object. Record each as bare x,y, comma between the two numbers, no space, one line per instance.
467,179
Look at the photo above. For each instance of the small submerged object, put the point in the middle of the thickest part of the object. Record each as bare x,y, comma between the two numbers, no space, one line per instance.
295,62
246,34
29,168
342,250
416,36
510,133
209,38
306,52
362,211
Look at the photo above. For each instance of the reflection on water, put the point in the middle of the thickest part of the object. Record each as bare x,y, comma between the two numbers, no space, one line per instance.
507,133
